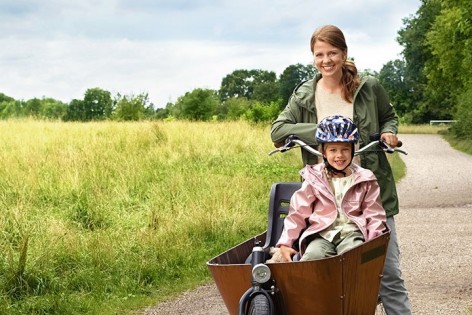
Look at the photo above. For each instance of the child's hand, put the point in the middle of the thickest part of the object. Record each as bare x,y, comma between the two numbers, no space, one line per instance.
287,253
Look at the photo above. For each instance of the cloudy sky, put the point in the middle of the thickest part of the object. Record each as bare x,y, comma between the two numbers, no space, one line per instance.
60,48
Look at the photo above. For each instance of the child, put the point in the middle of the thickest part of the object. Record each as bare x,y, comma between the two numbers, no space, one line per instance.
338,206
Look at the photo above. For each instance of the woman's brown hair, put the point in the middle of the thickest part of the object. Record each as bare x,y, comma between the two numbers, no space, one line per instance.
334,36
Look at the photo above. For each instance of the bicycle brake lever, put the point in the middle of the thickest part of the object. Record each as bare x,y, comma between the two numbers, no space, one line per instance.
289,144
386,147
289,141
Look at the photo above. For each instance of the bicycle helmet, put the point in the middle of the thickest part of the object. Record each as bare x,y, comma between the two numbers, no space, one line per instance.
336,128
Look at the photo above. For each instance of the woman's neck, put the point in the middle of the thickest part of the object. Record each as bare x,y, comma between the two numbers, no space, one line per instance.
331,85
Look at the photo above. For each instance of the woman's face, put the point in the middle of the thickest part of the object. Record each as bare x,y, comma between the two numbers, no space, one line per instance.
328,59
338,154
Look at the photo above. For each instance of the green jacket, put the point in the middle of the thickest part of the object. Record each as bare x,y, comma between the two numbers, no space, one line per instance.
373,113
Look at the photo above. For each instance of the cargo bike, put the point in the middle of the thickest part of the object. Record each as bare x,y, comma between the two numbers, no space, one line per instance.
346,284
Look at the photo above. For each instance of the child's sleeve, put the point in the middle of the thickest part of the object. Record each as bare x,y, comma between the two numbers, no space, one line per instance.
373,210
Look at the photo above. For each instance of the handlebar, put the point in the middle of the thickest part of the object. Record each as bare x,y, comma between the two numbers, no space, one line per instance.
292,142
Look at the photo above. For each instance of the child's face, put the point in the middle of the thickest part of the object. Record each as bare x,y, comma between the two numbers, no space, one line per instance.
338,154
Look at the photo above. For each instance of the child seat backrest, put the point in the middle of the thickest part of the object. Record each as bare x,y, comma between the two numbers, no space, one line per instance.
279,203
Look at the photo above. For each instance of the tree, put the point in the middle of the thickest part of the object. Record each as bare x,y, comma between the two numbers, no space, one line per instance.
98,104
463,115
32,107
248,84
449,68
416,52
266,92
260,112
5,98
291,77
52,109
162,113
199,104
133,107
11,109
75,111
237,107
392,76
368,72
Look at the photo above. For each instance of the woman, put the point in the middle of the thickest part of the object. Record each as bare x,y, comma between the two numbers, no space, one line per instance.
338,89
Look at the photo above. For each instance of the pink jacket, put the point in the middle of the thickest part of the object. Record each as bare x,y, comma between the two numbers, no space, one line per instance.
315,203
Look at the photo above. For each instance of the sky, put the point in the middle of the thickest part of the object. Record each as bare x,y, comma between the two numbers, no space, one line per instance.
61,48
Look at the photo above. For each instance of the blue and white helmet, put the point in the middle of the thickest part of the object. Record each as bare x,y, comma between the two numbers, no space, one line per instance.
337,128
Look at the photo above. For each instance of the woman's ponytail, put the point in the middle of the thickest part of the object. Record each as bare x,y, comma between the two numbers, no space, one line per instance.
350,80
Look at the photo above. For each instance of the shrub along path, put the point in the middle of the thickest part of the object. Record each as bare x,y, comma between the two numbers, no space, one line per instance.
434,229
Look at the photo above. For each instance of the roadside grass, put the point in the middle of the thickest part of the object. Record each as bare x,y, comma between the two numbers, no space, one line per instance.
463,145
398,166
108,217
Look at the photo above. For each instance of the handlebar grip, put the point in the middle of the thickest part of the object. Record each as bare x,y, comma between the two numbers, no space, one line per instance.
376,136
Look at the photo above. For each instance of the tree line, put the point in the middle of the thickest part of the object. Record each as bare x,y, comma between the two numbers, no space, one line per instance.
256,95
432,80
97,104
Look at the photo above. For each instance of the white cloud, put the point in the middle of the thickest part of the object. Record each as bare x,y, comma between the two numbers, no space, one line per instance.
65,69
166,48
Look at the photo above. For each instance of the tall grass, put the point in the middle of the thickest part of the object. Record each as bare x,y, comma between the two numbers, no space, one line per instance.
423,129
102,217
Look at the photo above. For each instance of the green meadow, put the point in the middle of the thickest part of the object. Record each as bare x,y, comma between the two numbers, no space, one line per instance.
108,217
101,218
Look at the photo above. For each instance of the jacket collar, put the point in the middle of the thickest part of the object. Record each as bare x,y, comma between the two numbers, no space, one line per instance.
304,93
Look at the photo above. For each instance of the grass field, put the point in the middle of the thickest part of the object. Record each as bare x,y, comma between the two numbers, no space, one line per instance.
104,218
98,218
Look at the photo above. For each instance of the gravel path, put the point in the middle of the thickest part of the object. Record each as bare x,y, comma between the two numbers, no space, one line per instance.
434,230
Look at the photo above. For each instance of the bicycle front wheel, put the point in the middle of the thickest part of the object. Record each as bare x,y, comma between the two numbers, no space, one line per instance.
259,305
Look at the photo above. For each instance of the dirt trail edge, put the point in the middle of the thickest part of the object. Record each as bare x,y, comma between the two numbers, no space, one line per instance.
434,230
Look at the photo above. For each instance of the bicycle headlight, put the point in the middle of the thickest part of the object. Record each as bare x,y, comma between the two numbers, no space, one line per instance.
261,273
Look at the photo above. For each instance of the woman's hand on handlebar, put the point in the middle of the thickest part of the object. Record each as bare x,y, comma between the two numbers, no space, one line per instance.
391,139
287,253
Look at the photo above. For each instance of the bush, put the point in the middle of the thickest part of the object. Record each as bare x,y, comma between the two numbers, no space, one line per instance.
260,112
463,115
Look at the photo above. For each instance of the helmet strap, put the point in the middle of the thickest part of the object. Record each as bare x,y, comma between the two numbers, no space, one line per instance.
332,170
